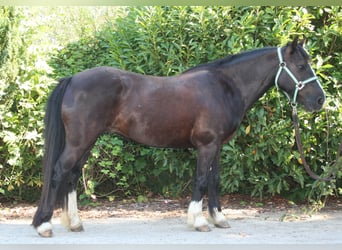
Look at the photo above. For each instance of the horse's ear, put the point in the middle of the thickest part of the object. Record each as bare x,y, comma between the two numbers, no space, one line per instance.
303,42
291,47
294,44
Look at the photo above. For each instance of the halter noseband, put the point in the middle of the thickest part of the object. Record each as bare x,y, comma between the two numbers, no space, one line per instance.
299,84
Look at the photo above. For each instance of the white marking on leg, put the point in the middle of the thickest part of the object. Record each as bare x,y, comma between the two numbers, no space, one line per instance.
219,219
218,216
75,221
45,229
195,216
70,218
65,221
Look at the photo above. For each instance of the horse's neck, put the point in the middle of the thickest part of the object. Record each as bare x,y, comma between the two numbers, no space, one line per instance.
255,77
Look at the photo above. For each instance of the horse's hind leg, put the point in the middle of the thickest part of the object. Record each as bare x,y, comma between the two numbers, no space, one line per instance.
70,218
60,189
49,199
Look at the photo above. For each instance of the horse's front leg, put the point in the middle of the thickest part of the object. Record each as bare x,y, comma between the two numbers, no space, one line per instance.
205,157
216,215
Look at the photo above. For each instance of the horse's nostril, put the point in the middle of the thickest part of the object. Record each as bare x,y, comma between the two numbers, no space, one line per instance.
321,100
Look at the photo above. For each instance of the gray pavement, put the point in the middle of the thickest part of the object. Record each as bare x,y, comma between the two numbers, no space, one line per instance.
247,227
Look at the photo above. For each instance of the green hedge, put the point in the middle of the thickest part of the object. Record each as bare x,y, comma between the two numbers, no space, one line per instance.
262,159
24,88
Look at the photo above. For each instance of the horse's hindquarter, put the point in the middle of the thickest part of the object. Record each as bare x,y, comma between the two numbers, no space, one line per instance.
89,104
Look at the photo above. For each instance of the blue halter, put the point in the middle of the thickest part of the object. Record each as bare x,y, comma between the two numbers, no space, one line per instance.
299,84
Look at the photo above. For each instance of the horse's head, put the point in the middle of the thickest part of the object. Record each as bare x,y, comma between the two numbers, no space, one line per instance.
297,79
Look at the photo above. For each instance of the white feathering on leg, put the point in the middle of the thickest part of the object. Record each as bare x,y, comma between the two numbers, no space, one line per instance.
218,216
69,216
195,209
75,221
218,219
195,216
65,221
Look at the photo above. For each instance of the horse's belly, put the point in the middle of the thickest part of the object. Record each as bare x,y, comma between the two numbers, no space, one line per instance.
161,136
154,132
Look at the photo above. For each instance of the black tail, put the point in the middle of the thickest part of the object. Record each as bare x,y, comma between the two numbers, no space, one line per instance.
54,145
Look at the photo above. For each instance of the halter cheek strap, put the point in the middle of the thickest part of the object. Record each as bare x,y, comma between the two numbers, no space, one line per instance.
299,84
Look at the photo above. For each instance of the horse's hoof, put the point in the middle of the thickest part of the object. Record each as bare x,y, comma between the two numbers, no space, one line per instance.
77,228
204,228
222,224
45,229
46,234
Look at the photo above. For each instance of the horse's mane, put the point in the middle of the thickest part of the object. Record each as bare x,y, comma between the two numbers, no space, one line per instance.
226,60
238,57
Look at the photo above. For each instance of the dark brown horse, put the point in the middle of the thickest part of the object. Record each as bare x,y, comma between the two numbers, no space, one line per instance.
200,108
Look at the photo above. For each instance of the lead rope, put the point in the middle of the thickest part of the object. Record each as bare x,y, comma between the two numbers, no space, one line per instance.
308,169
300,85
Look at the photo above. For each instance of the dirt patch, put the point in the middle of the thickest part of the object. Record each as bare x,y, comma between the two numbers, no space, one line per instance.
159,207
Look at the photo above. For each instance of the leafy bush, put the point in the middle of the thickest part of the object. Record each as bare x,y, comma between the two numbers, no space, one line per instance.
168,40
262,159
24,87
